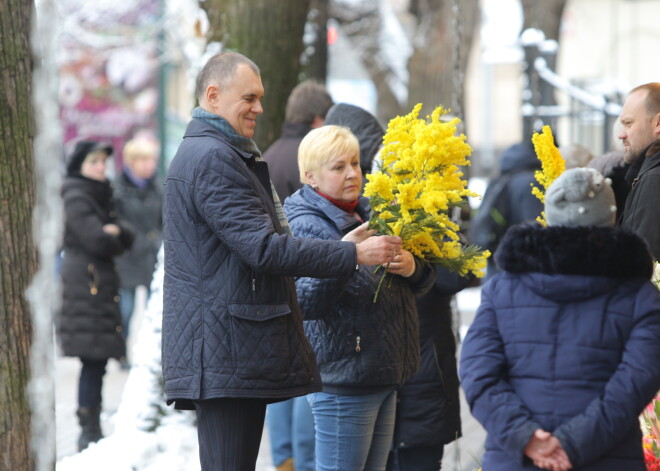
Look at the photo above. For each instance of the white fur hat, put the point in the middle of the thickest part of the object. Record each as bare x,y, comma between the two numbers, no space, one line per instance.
580,197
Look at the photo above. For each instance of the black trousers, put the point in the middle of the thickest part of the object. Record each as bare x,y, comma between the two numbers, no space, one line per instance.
90,383
229,433
416,458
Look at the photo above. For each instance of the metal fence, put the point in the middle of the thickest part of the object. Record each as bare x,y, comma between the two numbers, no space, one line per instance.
577,112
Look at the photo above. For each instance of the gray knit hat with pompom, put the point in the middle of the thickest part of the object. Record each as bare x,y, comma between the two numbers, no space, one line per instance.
580,197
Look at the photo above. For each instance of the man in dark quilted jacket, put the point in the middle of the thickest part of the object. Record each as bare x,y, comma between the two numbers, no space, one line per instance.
233,339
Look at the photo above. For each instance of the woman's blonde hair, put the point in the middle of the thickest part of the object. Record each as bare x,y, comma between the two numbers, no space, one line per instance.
139,147
322,144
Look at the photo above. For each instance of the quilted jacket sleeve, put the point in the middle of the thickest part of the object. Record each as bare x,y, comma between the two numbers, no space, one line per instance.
492,400
317,296
608,418
246,227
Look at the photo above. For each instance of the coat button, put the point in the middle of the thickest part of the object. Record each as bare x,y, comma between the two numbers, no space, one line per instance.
402,444
119,329
116,299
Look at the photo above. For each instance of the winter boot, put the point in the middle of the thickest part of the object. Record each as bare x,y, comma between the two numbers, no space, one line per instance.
287,465
90,425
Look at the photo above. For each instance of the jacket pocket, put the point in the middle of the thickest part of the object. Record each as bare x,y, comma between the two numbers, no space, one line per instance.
260,340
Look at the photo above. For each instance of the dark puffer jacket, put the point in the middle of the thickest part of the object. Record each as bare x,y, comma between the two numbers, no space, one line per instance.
565,339
89,322
428,407
142,207
231,322
360,346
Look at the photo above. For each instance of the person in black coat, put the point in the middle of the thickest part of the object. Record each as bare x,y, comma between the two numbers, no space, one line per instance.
428,412
139,197
89,323
306,109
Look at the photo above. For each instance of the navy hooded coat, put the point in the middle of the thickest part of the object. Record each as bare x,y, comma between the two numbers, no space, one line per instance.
566,339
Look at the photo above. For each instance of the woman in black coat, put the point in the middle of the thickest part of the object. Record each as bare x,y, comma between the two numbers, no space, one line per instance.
89,324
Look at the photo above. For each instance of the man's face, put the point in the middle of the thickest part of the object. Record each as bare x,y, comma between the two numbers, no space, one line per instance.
637,127
240,102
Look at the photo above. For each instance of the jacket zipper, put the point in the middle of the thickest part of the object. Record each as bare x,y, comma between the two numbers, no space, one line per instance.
357,344
254,281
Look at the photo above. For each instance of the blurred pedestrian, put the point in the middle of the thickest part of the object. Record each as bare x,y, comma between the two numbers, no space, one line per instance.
233,339
428,412
139,199
640,133
290,423
366,128
575,155
306,109
611,165
89,322
364,349
556,364
508,200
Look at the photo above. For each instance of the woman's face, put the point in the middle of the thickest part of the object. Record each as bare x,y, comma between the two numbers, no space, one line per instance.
94,166
340,178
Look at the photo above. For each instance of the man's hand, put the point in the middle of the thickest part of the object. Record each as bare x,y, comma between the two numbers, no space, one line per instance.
378,250
112,229
359,234
403,264
546,452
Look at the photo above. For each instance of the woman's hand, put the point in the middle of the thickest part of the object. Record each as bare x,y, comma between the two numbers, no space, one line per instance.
403,264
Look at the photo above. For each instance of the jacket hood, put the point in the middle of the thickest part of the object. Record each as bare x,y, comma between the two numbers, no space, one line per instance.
365,127
573,262
307,201
519,157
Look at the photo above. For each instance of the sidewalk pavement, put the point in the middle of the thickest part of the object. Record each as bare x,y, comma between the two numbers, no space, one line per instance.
462,455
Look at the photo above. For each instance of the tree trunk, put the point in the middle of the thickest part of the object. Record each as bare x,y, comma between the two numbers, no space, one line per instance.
271,34
442,46
545,16
18,259
362,23
315,58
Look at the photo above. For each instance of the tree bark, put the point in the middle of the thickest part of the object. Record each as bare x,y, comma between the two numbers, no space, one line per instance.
362,24
315,57
442,46
271,34
18,260
545,16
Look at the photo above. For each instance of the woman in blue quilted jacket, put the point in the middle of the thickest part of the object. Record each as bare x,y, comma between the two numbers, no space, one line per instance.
364,349
562,355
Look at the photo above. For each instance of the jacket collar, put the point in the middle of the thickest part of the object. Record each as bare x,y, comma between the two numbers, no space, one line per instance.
593,251
308,201
199,128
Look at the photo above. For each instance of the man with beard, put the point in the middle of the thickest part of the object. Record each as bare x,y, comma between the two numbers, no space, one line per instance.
640,133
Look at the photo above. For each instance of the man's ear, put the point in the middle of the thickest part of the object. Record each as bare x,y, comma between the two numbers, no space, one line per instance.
212,94
317,122
656,124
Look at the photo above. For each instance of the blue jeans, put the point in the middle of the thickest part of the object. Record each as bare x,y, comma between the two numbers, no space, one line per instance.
291,431
353,433
126,306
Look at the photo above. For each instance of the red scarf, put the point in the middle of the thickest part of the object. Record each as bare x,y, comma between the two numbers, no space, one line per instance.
348,207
